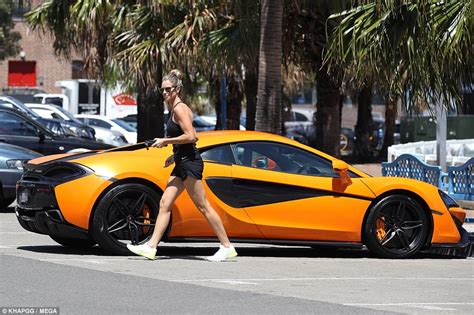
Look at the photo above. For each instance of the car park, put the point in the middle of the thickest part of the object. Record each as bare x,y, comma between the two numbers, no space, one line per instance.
19,129
268,189
57,126
105,135
116,124
12,159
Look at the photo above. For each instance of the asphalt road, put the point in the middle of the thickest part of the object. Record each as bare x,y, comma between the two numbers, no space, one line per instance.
36,272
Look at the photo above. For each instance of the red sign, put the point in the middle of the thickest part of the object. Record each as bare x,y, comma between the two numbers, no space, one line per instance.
124,99
21,73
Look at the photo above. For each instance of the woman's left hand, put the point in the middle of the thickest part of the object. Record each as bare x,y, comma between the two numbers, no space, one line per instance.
159,143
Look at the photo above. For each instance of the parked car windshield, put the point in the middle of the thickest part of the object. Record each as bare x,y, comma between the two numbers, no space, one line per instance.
69,115
124,125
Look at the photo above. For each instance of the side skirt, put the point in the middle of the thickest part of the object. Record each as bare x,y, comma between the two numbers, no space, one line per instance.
272,242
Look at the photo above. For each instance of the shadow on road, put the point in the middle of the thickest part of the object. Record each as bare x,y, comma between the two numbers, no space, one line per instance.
192,253
7,210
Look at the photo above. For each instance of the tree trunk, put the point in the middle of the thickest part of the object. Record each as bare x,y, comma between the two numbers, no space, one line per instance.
268,113
390,115
362,147
250,84
328,127
215,88
150,108
234,102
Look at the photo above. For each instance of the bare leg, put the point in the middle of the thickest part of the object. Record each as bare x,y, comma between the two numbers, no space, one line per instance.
173,189
195,189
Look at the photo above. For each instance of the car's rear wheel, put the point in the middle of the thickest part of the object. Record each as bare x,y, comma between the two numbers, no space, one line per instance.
73,242
126,214
396,227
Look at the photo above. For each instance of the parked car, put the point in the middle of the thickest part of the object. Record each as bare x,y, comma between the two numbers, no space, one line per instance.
269,188
116,124
108,136
56,126
199,123
19,129
12,159
213,119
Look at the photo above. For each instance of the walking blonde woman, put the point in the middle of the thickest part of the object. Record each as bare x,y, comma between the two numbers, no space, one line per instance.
187,173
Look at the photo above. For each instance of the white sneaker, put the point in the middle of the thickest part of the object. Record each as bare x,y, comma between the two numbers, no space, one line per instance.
223,253
143,250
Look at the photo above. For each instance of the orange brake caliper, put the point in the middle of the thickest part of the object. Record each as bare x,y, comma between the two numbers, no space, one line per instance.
146,215
380,228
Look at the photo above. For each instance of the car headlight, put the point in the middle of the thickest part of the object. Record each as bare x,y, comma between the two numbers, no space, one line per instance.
16,164
448,201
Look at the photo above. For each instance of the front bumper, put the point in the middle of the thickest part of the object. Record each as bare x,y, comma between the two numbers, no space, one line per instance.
464,248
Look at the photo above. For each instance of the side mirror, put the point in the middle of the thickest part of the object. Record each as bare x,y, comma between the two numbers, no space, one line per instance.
41,136
339,166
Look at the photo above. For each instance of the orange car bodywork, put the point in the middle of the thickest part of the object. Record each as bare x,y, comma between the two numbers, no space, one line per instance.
335,217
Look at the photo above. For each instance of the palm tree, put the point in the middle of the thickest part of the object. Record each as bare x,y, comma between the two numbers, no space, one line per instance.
269,109
119,40
216,39
8,38
306,27
420,47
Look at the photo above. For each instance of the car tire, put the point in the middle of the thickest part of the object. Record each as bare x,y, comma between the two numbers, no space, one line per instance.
73,242
4,203
396,227
125,214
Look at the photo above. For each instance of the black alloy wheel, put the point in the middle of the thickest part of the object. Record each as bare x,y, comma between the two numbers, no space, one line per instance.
126,214
396,227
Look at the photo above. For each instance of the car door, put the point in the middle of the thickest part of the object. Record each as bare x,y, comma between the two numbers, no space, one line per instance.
291,193
217,180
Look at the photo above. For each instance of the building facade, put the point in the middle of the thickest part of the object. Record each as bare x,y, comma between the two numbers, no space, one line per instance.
36,67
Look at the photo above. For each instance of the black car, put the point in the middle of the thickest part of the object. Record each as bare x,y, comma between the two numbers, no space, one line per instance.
12,159
57,126
19,129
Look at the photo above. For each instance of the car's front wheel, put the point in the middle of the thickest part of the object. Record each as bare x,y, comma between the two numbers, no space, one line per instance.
396,227
126,214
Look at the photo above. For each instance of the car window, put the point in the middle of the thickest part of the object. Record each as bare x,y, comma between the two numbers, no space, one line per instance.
300,117
14,125
281,157
124,125
99,123
54,100
222,154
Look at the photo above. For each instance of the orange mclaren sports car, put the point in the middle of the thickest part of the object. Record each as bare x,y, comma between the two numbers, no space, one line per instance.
266,188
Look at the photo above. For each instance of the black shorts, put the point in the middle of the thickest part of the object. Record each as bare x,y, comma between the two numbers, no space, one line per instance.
193,168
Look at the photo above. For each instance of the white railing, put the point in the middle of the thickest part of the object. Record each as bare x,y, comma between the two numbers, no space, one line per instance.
458,151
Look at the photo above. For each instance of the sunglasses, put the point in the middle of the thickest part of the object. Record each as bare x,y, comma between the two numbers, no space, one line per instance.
168,89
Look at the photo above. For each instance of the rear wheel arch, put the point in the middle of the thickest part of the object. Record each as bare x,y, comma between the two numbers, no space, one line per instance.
407,193
131,180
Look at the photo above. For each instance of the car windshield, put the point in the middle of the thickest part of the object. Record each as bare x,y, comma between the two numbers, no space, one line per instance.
124,125
16,104
69,115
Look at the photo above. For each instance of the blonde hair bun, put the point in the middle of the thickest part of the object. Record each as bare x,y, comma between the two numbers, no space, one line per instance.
177,73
